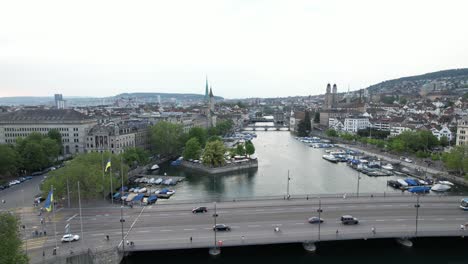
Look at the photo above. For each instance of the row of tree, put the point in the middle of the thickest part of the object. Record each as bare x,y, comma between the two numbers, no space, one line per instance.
11,245
457,160
30,154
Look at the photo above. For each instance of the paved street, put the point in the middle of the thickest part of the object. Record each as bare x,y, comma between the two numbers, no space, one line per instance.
21,194
164,226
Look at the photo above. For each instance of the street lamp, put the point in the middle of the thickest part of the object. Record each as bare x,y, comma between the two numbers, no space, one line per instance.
358,178
215,215
287,187
122,220
319,210
417,205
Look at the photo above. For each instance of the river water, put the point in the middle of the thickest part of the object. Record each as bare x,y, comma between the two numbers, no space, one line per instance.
278,152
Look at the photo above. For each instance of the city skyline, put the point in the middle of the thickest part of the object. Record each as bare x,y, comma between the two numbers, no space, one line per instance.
247,48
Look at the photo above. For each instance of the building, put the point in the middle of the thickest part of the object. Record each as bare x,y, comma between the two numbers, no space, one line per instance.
443,132
462,131
353,124
331,97
59,102
397,130
117,137
72,125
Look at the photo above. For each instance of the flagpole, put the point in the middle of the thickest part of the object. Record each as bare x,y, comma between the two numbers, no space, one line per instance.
81,218
102,167
122,175
53,211
110,173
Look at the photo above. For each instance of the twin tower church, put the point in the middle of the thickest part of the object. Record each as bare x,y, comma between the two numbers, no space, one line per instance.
209,109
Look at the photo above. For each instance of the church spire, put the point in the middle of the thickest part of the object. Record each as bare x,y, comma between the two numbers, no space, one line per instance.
211,92
206,89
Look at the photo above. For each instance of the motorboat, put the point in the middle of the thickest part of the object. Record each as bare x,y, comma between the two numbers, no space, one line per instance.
419,189
387,166
402,182
154,167
158,181
446,183
330,158
440,188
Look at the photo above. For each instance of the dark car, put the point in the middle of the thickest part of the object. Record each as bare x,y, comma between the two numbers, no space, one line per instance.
221,227
200,209
315,220
349,220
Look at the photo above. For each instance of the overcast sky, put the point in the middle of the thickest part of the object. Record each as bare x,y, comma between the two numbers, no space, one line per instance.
248,48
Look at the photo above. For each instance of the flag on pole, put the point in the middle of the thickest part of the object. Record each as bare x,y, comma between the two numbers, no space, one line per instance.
108,165
49,201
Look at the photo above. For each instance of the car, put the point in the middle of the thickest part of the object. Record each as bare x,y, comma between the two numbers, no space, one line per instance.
315,220
407,160
70,238
200,209
349,220
221,227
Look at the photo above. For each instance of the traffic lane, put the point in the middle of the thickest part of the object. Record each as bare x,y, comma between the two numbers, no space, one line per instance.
21,194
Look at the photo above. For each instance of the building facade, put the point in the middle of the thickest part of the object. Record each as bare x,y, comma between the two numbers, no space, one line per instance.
462,131
353,124
72,125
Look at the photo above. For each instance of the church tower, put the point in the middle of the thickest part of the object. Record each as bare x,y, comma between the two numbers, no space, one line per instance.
206,90
334,96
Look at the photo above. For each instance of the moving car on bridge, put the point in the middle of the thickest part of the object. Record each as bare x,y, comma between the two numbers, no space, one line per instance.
464,204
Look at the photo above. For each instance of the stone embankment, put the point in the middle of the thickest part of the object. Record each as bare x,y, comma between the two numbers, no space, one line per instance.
235,166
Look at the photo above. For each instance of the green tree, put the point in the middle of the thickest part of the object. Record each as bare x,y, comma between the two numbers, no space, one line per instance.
11,245
9,161
397,145
88,170
444,141
213,154
192,149
135,156
55,135
214,138
301,129
457,159
249,148
167,138
32,155
200,134
51,149
224,127
331,133
317,117
240,149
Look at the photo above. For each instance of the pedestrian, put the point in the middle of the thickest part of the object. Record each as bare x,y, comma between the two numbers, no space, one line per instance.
462,227
128,243
337,232
107,237
190,239
242,239
373,230
3,201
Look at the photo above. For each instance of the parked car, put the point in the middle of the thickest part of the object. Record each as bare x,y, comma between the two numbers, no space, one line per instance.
349,220
221,227
200,209
315,220
70,238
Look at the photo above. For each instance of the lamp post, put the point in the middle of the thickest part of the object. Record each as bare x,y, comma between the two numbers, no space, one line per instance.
287,187
319,210
122,220
417,205
215,215
358,178
81,218
68,192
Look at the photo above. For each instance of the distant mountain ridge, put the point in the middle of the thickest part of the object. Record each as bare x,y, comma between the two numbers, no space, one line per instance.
444,80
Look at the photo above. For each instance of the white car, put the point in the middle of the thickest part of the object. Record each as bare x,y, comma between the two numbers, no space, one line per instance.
407,160
70,238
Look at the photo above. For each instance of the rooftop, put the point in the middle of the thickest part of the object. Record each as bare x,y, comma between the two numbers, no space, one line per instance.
44,115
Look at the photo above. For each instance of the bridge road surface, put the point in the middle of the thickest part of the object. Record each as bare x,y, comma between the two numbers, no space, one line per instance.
170,226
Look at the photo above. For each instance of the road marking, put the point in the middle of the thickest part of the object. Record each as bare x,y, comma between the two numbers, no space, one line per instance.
276,224
387,205
69,219
253,226
400,219
143,231
439,219
379,220
207,228
165,230
100,234
191,229
298,223
235,226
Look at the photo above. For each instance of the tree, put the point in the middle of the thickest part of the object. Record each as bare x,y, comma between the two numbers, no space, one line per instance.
457,159
240,149
444,141
192,149
224,127
11,244
249,148
135,156
331,133
214,154
397,145
55,135
317,117
167,138
198,133
9,161
214,138
33,156
301,129
307,124
88,169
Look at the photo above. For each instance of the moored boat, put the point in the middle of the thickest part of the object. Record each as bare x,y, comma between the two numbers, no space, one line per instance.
440,188
330,158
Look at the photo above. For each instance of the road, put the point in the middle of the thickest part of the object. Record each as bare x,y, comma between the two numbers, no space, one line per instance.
170,226
21,194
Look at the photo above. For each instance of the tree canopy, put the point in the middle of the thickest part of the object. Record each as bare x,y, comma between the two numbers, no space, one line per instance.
249,148
11,245
135,156
200,134
457,159
167,138
192,149
213,155
9,161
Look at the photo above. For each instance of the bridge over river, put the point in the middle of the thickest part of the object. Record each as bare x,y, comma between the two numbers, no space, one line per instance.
167,226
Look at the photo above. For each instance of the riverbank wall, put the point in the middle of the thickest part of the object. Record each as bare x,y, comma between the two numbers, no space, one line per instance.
112,255
245,165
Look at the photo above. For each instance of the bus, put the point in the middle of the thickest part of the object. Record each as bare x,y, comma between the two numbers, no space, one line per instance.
464,204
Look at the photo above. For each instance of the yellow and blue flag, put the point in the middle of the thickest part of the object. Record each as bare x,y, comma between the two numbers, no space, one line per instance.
49,201
108,165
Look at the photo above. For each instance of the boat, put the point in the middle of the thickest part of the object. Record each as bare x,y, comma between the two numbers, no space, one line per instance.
402,182
330,158
154,167
165,193
394,184
422,182
387,166
440,188
446,183
419,189
158,181
138,198
411,182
